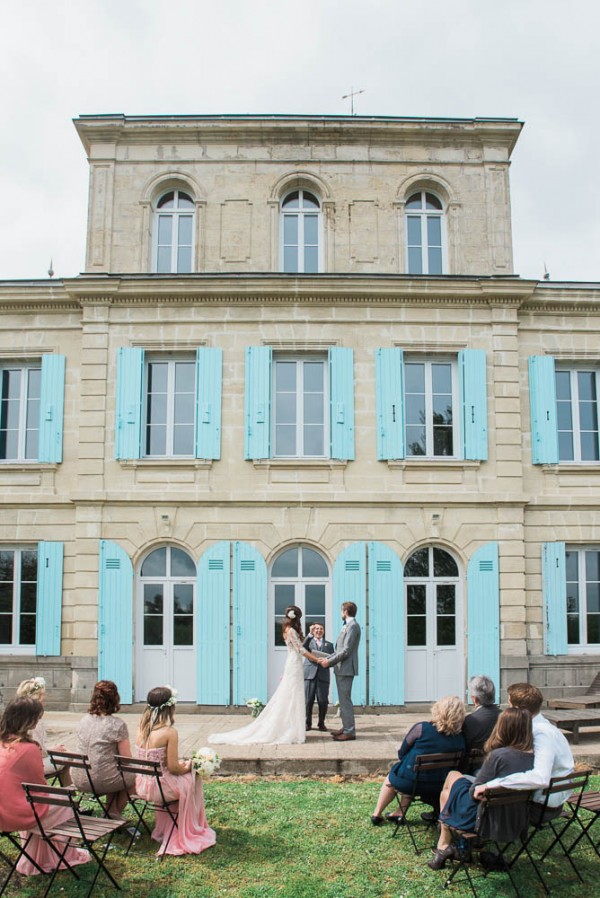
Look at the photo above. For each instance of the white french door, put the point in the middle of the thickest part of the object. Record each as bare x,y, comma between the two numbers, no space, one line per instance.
166,652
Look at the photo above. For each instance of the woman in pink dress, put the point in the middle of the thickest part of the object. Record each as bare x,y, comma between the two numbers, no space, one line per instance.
158,740
21,762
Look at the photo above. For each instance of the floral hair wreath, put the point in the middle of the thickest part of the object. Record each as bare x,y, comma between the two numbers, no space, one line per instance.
291,615
37,684
172,700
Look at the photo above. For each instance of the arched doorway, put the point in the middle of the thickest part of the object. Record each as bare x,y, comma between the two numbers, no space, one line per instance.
434,625
166,651
299,576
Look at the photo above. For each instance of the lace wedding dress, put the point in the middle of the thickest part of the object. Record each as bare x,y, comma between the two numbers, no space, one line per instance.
283,719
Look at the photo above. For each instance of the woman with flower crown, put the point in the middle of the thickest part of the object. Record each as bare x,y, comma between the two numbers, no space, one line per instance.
35,687
283,719
158,740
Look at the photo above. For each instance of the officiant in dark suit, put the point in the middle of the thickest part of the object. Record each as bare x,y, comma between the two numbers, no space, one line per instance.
316,678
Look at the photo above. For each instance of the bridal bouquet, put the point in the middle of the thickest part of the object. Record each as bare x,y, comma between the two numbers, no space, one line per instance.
255,706
205,762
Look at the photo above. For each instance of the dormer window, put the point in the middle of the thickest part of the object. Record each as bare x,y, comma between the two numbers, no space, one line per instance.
301,233
424,233
174,233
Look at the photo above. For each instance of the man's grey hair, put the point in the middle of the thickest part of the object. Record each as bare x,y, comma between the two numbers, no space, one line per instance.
483,689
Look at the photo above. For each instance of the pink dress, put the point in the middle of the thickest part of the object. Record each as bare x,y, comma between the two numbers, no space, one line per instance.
193,834
21,762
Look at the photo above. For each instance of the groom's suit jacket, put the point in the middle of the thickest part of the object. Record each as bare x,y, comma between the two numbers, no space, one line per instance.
346,650
312,670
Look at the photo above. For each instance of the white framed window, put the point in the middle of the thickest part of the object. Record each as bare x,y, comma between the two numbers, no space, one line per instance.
20,387
174,233
300,407
582,565
301,233
169,425
577,392
424,233
431,398
18,597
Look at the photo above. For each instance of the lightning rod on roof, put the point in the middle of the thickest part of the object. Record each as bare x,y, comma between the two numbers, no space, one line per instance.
546,273
353,93
51,270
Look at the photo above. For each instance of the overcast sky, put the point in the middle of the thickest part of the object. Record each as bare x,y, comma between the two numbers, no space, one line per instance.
537,60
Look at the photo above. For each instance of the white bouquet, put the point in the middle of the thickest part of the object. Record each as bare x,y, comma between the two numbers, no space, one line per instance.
255,706
205,762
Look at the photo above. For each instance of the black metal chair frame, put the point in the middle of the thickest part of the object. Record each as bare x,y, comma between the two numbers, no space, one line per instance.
80,761
21,852
575,783
582,801
450,760
495,798
86,830
139,805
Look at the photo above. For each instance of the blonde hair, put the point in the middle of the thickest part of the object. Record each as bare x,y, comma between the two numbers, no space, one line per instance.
448,715
31,687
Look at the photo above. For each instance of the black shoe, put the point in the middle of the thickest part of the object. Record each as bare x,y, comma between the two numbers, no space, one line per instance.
398,819
323,728
429,817
308,728
440,857
377,821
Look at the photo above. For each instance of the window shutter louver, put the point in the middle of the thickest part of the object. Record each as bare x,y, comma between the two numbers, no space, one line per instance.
341,403
212,626
389,385
350,585
386,626
115,619
209,364
52,401
554,586
49,598
483,614
250,627
542,403
473,403
128,423
257,403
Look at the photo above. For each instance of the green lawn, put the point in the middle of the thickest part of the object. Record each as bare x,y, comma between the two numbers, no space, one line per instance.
300,839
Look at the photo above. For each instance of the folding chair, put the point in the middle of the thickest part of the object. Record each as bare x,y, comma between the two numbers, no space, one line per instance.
140,805
493,799
86,830
80,761
21,852
575,783
425,764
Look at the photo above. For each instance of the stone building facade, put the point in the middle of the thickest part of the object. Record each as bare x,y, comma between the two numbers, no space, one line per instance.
298,368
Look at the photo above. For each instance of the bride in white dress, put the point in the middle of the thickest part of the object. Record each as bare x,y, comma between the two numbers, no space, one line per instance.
283,718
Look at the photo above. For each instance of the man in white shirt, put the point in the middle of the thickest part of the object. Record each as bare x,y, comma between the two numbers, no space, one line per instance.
552,754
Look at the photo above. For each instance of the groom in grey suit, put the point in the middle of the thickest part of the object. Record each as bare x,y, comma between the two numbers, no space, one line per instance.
345,660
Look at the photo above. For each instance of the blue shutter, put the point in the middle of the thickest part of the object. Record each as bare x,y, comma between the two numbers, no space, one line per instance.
542,403
212,626
115,619
250,630
473,403
128,426
341,403
350,585
483,614
209,363
389,384
386,626
52,403
257,402
49,598
554,584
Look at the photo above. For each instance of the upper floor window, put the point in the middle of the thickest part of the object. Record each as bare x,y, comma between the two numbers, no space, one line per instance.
18,592
20,412
431,395
577,392
170,404
424,213
301,233
300,407
174,233
583,596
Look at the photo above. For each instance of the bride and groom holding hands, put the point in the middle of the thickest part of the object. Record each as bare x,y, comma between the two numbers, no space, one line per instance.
286,717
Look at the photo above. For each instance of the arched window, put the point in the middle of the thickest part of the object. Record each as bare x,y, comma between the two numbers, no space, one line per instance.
173,233
301,232
424,233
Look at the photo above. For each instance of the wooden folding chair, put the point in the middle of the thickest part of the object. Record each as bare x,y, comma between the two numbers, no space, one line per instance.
86,830
492,799
140,805
442,762
11,863
80,761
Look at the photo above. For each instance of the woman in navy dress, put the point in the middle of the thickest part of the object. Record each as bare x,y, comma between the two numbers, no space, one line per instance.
441,734
509,750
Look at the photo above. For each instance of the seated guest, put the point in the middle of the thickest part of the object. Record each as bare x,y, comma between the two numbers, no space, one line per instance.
552,756
21,762
478,725
101,736
509,749
441,734
35,687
